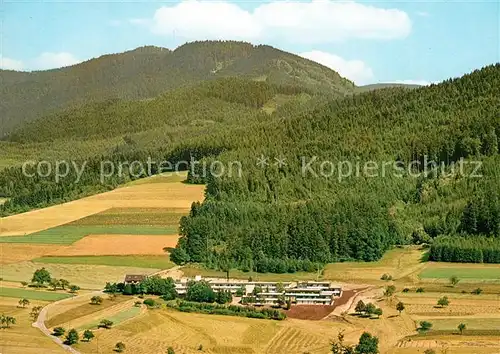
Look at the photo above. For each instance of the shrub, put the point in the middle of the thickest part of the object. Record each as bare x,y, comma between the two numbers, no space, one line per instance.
477,291
386,277
425,326
58,331
72,337
443,302
405,290
149,302
420,290
119,347
105,324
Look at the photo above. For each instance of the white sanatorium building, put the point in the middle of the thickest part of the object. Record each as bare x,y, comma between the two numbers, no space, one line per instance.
300,293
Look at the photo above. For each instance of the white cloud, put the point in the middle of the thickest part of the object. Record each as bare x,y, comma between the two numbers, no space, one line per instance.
10,64
54,60
413,82
316,21
354,70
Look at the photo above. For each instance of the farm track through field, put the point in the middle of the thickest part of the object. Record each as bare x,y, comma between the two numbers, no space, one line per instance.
40,322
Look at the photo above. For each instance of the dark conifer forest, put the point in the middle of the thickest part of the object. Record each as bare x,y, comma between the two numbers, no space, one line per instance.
278,216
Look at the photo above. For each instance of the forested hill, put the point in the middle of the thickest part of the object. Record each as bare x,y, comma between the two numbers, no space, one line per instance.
149,71
210,103
277,218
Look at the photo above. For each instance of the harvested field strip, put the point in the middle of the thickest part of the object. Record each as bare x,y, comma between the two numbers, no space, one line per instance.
482,273
18,252
117,318
83,310
33,294
161,262
66,235
471,332
107,245
168,217
450,324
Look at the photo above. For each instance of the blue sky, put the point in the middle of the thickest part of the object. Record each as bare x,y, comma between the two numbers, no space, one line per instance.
366,41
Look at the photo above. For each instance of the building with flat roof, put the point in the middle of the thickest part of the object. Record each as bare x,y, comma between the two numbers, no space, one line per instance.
270,293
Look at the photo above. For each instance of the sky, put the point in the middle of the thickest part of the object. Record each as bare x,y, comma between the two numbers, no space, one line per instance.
417,41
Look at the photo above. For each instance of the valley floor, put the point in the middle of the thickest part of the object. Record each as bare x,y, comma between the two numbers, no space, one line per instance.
101,238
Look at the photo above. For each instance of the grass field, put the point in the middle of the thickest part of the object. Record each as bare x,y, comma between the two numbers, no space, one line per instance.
450,324
157,262
116,319
83,310
22,338
168,177
398,262
465,272
44,295
86,276
66,235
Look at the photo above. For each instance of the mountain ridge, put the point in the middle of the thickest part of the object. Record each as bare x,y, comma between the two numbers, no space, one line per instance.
148,71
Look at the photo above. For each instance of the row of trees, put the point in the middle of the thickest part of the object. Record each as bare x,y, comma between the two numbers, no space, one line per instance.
42,278
228,310
478,249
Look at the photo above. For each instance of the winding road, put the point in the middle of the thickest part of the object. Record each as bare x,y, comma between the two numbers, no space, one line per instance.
42,317
175,272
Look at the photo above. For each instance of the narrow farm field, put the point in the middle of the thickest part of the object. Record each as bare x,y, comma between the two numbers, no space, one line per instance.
425,305
169,195
97,245
135,216
117,318
449,343
167,177
466,272
86,276
44,295
22,338
473,324
156,262
398,263
68,234
85,309
18,252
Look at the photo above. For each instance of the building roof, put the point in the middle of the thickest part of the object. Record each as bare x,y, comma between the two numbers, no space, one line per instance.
134,277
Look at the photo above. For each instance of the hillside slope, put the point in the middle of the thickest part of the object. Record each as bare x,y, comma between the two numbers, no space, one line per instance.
148,71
